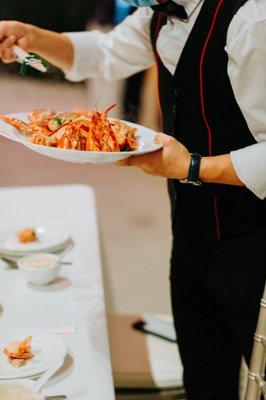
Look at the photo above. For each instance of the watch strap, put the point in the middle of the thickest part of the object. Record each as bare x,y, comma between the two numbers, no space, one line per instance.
194,170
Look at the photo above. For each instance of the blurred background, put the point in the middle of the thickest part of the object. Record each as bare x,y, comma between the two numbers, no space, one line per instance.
133,208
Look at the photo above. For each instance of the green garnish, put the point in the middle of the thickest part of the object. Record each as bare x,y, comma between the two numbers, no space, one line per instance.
126,148
58,121
23,69
27,62
45,63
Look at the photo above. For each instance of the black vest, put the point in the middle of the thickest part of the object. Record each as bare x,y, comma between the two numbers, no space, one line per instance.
200,110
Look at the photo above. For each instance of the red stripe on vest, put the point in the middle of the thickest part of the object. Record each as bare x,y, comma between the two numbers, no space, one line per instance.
202,99
201,77
157,57
203,109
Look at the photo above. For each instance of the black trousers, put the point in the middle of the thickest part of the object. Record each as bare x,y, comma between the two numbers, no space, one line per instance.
216,291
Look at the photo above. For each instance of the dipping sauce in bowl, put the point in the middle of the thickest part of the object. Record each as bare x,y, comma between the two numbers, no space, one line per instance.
41,268
39,261
19,391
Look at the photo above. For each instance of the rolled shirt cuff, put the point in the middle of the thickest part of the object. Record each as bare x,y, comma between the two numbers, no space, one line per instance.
250,166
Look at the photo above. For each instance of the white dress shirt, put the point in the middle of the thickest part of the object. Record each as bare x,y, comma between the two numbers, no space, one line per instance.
127,50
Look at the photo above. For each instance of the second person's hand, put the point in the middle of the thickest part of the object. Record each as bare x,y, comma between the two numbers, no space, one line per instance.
54,47
14,32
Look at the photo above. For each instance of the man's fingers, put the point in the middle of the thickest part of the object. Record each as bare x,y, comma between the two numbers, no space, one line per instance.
15,29
134,161
9,42
8,56
7,28
24,43
6,52
124,163
3,26
161,138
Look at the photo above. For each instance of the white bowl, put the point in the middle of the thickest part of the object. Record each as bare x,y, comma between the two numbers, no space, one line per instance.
27,384
34,269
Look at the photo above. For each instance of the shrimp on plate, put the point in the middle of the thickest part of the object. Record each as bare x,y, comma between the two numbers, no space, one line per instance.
80,129
18,352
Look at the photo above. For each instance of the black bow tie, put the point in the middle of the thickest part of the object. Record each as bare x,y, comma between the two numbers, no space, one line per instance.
171,9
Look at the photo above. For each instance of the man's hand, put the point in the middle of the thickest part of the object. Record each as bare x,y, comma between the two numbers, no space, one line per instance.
172,161
14,32
54,47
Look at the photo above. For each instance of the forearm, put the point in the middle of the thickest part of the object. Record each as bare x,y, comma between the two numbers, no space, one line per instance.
118,54
56,48
219,169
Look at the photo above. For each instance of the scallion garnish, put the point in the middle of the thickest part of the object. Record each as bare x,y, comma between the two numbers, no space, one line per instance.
58,121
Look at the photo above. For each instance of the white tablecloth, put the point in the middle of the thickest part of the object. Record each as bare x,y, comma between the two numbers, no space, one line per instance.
75,299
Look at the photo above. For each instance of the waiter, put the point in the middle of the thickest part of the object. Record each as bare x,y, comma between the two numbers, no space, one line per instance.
211,58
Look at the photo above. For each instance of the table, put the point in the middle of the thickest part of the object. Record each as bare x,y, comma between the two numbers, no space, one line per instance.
75,299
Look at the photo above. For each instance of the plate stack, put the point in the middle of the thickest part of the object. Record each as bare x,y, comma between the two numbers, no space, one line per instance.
49,240
49,350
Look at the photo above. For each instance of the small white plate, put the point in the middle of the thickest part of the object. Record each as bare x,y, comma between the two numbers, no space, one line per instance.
49,239
145,139
48,349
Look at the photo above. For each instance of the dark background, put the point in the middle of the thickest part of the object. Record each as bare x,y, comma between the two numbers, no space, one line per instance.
58,15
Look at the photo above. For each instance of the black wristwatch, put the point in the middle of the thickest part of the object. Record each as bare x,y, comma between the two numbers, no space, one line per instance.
193,172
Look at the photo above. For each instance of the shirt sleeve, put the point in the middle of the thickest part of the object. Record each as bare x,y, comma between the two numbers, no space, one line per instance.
247,73
118,54
250,166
